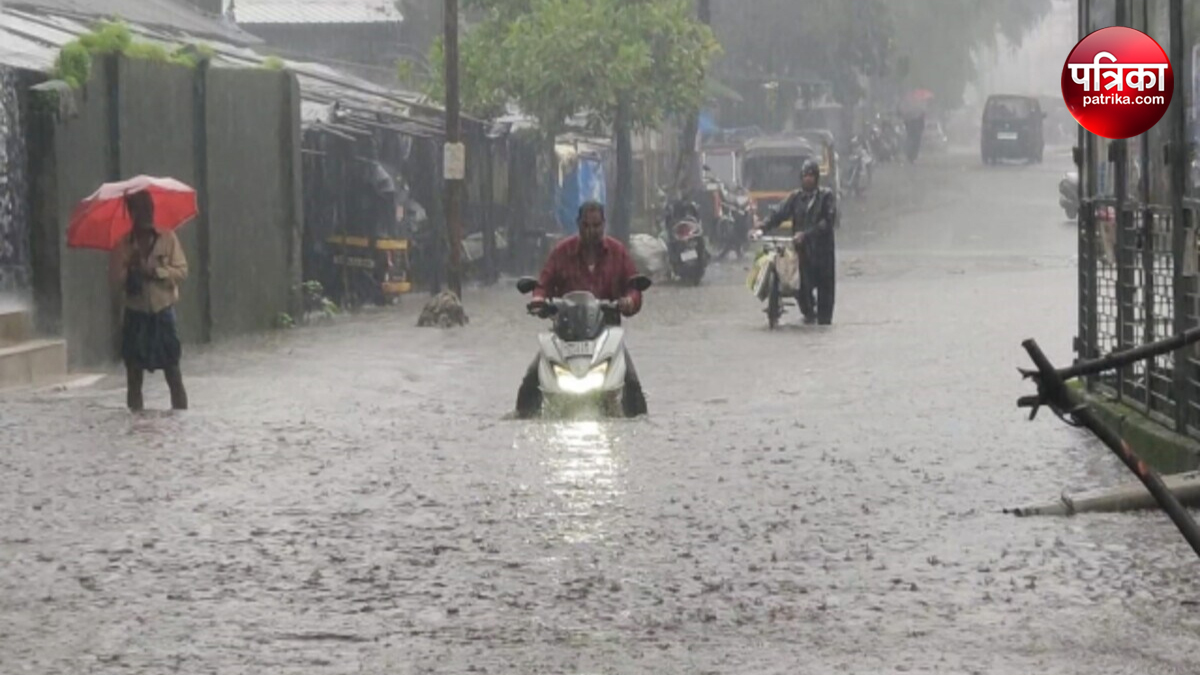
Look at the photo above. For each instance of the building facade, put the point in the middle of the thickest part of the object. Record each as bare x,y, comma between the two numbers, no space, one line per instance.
362,37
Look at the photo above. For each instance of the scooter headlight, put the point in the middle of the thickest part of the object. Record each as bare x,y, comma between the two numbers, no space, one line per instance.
585,385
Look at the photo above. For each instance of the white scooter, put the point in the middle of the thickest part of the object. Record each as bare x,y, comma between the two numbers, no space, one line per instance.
582,362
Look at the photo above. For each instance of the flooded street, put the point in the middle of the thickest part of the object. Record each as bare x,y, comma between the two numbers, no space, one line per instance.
350,499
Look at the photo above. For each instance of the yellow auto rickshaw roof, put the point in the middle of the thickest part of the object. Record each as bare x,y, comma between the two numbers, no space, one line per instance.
780,146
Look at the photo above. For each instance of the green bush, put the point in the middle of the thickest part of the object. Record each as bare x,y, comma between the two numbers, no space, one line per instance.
108,37
148,52
74,62
193,55
273,63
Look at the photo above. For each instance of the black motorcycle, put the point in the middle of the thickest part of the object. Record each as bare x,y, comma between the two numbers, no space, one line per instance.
742,215
733,217
885,139
858,177
687,254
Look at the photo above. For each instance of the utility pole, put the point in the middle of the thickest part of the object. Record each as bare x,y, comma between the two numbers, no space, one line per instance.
454,157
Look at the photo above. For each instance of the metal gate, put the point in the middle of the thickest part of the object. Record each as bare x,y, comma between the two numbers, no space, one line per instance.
1137,238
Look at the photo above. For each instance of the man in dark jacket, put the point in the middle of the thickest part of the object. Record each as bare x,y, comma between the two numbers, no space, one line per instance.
813,212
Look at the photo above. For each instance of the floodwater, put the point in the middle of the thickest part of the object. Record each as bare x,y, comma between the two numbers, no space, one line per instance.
350,499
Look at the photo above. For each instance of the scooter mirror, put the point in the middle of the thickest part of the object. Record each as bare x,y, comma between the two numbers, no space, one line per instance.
526,285
640,283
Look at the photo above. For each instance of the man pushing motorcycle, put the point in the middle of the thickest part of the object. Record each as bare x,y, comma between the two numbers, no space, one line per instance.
813,212
589,261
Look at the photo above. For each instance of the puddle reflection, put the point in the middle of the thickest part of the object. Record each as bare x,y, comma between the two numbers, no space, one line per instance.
585,473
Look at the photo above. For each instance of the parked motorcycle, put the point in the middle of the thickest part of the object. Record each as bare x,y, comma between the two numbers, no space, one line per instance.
581,363
897,138
743,215
734,217
887,139
858,177
687,253
1068,194
877,142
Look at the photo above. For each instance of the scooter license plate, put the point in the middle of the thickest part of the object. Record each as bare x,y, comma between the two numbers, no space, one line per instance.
688,256
1007,135
571,349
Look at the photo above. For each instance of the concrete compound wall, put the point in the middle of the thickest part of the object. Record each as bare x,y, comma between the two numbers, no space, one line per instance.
157,136
231,134
72,158
254,213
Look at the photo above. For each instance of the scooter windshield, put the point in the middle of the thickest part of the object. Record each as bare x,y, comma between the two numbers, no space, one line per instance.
580,319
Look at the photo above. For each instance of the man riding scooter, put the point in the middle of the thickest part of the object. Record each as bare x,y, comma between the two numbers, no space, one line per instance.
813,212
601,265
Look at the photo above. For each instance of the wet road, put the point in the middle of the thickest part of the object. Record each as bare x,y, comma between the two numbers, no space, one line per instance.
348,499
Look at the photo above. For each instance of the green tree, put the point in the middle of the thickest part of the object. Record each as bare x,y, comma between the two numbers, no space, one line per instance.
910,43
629,64
942,59
661,57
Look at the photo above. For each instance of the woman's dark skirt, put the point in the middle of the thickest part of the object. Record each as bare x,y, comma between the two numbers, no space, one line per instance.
150,341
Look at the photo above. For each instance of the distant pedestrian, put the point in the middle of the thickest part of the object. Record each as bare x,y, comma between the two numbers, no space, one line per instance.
145,269
913,111
915,128
812,211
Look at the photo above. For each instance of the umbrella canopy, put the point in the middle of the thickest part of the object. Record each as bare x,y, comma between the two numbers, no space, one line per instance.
916,103
101,220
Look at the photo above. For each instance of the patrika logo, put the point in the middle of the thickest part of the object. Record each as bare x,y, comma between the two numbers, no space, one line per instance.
1118,82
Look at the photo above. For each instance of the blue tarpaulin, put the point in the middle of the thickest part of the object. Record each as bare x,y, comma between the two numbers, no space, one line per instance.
584,182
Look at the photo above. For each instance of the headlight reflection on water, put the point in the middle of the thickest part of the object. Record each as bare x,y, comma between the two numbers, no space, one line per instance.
584,473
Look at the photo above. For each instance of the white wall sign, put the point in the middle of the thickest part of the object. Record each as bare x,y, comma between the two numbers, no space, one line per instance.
454,159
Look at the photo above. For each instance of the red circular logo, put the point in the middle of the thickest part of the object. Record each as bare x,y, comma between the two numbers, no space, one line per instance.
1118,82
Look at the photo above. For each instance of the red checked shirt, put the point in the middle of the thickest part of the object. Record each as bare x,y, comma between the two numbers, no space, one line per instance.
566,271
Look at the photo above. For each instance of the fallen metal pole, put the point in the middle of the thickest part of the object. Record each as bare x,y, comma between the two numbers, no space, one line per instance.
1119,499
1127,357
1053,392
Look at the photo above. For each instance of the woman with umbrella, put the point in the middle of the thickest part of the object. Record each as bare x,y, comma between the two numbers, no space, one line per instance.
913,109
146,266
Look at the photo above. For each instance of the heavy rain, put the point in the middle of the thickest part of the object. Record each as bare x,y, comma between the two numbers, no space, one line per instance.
352,482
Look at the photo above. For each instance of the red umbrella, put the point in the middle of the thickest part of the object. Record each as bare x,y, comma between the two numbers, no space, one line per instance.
101,220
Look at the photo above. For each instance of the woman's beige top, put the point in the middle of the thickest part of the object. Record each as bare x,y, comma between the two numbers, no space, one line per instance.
166,266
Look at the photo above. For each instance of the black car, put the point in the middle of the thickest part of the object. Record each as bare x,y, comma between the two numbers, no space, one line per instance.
1012,129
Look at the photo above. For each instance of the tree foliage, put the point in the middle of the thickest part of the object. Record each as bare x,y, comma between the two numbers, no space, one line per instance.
941,59
915,43
556,58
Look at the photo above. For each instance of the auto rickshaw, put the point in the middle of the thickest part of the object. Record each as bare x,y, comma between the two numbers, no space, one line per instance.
771,169
370,261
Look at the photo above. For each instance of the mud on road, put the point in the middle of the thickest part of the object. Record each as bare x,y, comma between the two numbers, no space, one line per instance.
349,499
